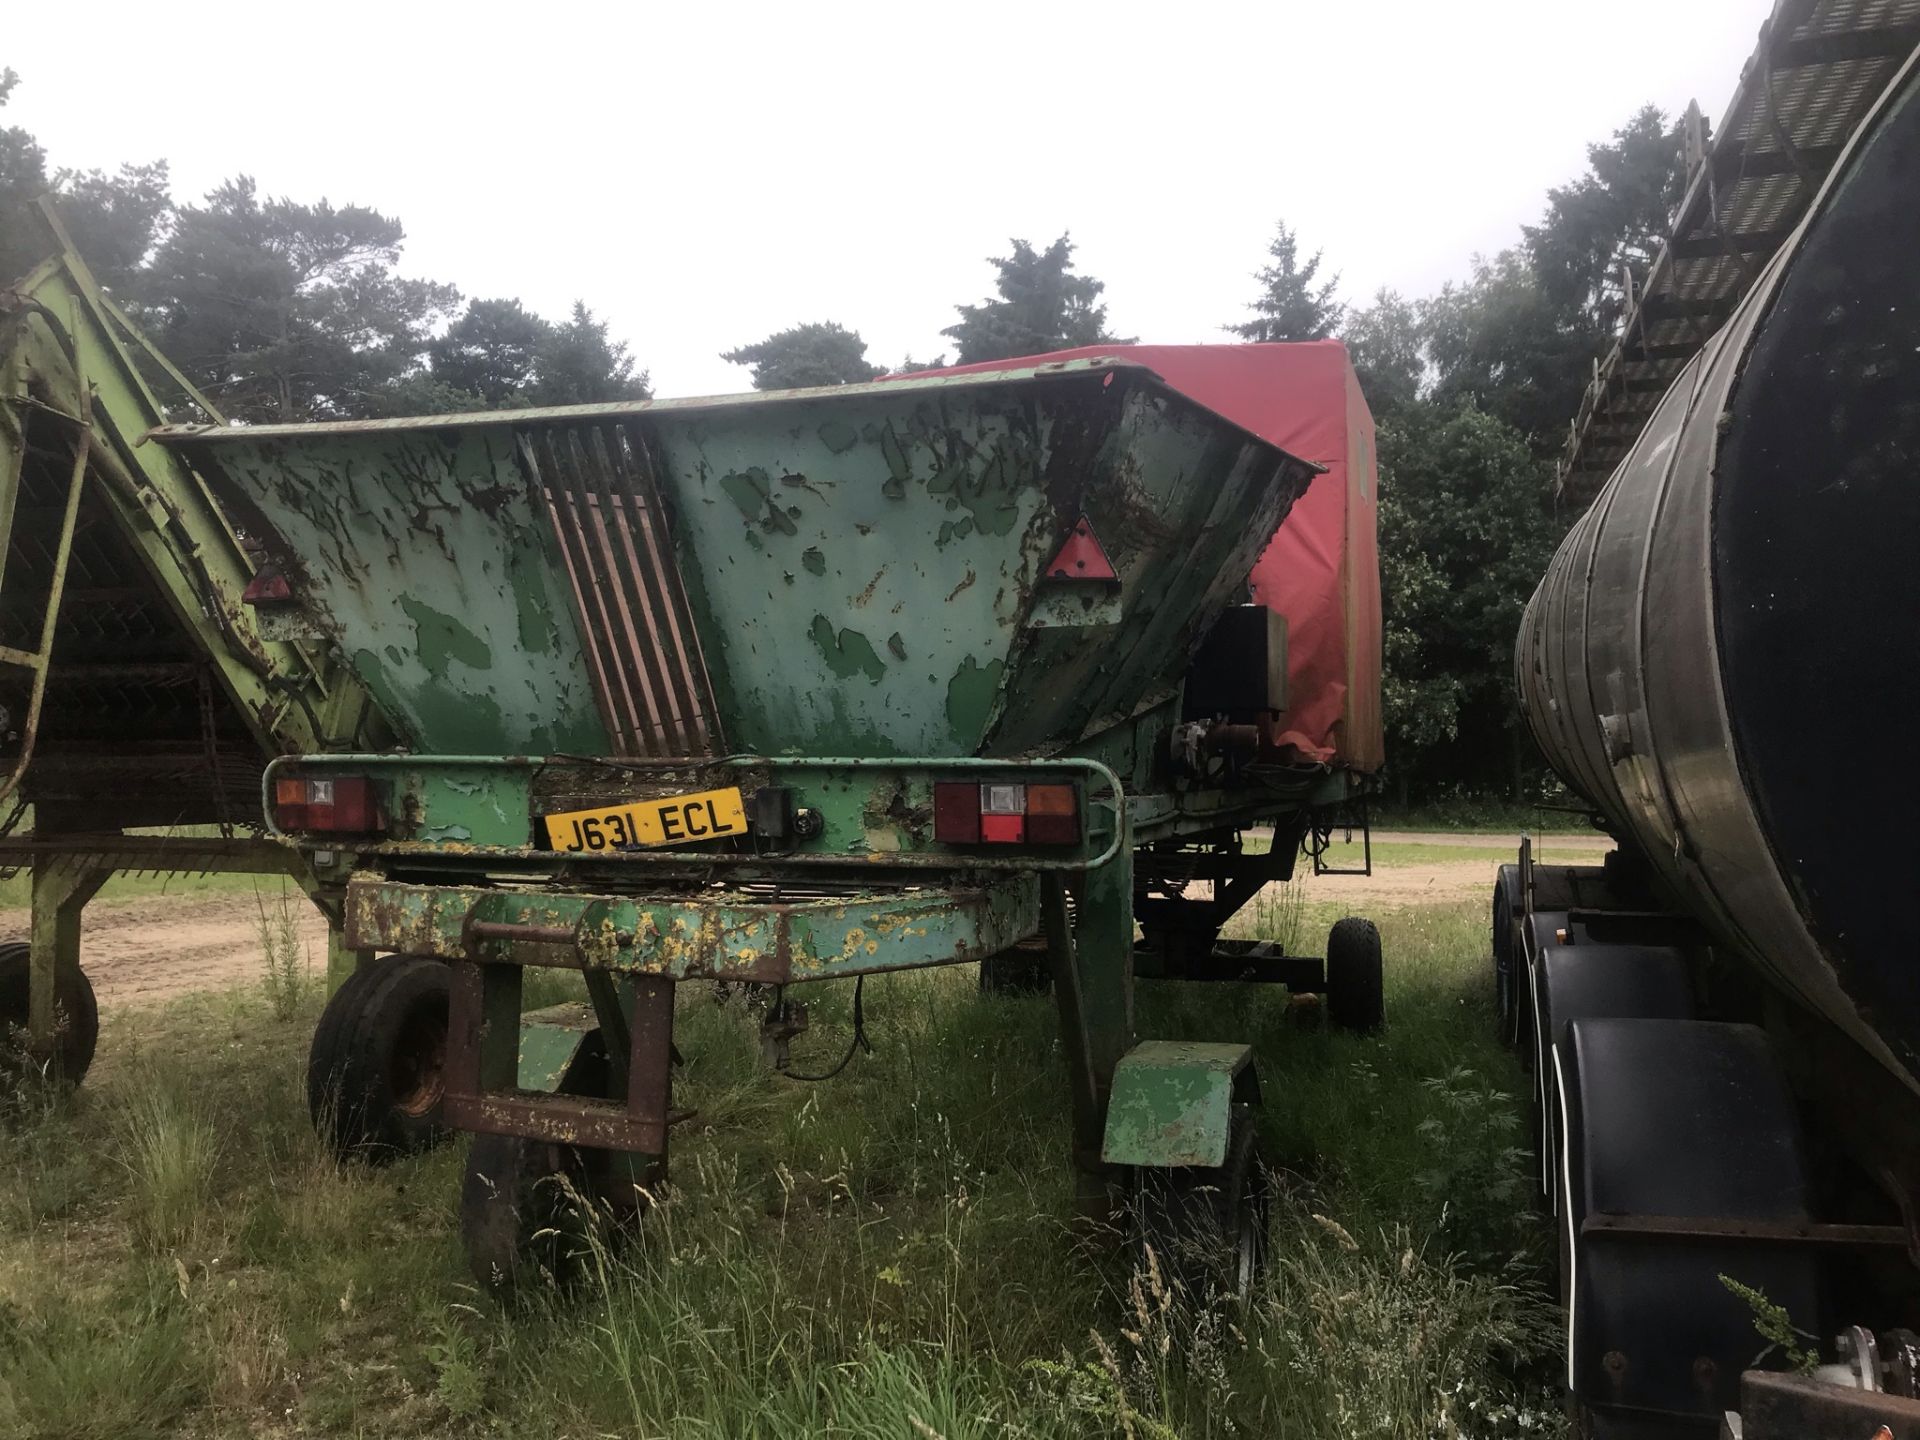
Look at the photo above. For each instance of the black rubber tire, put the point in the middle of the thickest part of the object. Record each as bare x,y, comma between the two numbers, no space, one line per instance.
76,1017
1017,971
1356,995
1509,959
1687,1118
375,1071
527,1214
1209,1227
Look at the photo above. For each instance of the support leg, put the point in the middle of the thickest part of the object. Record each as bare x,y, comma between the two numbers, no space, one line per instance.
1091,959
648,1092
62,885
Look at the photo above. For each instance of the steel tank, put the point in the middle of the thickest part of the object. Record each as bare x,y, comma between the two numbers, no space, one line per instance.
1724,656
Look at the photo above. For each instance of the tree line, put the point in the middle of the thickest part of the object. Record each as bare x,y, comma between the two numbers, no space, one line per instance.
281,310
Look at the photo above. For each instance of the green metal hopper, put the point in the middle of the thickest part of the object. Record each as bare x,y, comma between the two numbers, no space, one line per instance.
857,571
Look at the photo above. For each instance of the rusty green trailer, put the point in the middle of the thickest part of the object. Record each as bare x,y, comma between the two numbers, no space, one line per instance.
778,689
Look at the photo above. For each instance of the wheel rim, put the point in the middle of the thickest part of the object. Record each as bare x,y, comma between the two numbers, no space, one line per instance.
417,1073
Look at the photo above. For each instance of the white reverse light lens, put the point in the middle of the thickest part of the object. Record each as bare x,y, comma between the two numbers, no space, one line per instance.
320,792
1003,799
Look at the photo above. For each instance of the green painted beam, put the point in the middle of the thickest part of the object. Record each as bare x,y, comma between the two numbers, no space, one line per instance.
58,327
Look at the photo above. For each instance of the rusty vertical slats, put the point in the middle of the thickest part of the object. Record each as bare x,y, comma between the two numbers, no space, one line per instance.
643,653
638,567
654,570
600,615
621,637
679,636
623,567
615,705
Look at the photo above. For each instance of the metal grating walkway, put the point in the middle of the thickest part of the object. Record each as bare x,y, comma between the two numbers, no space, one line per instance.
1819,65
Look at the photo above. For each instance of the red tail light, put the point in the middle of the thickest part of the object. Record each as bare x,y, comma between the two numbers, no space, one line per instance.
337,804
1005,812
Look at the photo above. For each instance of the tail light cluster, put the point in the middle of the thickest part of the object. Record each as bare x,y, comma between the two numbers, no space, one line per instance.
337,804
1005,812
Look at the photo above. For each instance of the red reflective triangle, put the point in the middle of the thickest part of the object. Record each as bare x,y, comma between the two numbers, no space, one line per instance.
1081,558
267,587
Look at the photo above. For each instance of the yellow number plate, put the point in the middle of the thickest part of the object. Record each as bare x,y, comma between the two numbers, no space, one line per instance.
677,820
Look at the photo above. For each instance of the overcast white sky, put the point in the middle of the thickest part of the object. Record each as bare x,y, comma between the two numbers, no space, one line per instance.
702,174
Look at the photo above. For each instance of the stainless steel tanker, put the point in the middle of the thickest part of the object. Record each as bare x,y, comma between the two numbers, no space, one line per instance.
1724,1021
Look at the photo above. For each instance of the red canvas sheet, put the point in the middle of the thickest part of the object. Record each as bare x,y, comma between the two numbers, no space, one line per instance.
1322,568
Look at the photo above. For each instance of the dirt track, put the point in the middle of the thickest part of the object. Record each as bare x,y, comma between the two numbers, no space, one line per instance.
150,949
159,946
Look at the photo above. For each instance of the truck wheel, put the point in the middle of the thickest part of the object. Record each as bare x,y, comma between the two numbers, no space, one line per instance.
76,1019
1509,958
1672,1118
1018,970
1207,1227
1356,999
527,1217
376,1069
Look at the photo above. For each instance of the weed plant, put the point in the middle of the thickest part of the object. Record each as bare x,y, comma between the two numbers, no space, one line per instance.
286,968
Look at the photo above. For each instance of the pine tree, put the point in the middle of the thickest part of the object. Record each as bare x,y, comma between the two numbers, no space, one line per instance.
1290,306
821,353
1042,306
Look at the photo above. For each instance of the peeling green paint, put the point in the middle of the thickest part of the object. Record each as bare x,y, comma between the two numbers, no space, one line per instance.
838,436
441,638
748,489
535,619
970,696
813,560
847,653
895,455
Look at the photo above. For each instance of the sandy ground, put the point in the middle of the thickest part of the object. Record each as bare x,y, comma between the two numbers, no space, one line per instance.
151,949
159,946
1438,881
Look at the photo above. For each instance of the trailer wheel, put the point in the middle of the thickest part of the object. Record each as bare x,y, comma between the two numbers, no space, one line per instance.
1206,1228
76,1019
527,1216
1356,998
376,1069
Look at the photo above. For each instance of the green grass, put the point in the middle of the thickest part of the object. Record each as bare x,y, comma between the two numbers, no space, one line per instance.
887,1255
1486,848
1473,813
1496,851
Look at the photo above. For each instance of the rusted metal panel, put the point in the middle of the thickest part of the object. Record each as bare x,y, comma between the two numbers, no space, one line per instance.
862,568
715,933
560,1120
1801,1407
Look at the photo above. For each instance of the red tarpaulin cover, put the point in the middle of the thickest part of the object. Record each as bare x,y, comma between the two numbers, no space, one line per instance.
1322,568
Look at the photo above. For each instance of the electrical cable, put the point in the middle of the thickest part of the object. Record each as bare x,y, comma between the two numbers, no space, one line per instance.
857,1043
